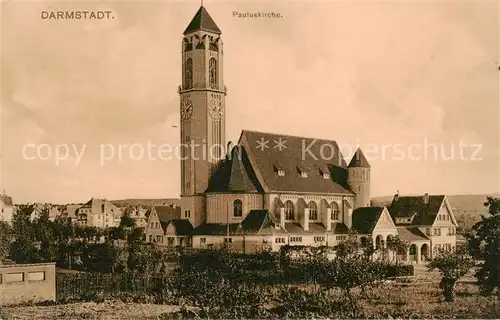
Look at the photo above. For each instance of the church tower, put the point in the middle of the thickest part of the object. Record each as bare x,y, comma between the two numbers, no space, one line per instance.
358,178
203,117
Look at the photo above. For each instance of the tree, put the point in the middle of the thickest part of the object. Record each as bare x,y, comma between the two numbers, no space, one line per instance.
484,243
398,246
453,265
350,269
6,239
45,234
23,249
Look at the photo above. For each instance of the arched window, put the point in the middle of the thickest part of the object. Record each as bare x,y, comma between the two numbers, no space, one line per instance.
237,208
335,211
212,66
289,210
188,81
313,211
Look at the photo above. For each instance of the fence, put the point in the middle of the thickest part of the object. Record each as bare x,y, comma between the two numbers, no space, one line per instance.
76,285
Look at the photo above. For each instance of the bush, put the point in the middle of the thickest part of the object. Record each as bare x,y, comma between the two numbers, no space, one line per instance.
397,270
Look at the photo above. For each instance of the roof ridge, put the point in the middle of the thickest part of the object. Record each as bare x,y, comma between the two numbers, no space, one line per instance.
287,135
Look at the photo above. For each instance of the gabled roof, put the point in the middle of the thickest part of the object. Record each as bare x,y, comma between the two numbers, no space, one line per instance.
218,229
411,234
407,206
265,153
260,222
314,227
183,227
235,174
202,21
358,160
166,214
365,219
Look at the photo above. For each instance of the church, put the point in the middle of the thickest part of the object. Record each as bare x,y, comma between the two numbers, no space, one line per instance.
269,189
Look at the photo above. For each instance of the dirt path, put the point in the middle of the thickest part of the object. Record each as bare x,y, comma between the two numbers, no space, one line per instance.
89,310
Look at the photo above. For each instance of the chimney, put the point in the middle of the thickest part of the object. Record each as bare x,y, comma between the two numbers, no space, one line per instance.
396,196
426,198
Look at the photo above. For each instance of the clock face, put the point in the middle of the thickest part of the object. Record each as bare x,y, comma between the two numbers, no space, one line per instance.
215,109
186,109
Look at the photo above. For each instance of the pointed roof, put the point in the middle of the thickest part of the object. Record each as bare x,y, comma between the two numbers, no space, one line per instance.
425,212
358,160
235,174
364,219
202,21
260,222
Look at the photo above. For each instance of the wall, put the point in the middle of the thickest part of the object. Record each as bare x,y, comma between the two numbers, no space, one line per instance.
220,206
318,199
6,212
29,284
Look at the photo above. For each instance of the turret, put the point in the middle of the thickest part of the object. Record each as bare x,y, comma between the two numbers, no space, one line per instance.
358,178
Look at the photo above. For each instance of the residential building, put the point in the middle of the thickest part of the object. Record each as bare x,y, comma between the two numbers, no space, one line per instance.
428,220
166,228
6,208
99,213
138,214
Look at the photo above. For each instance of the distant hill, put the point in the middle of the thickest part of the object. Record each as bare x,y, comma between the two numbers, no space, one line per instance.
148,203
468,208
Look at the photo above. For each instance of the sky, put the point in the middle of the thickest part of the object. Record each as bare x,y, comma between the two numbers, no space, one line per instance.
400,76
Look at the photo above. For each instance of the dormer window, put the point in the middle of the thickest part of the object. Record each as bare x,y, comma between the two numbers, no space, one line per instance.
302,170
324,172
278,168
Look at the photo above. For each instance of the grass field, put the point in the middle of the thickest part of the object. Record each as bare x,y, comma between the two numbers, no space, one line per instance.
405,300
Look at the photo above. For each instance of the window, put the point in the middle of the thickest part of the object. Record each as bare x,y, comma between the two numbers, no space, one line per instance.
335,211
187,213
437,232
150,238
280,240
36,276
188,81
203,240
295,239
14,277
451,231
228,240
342,238
428,231
237,208
281,173
289,210
212,65
303,174
319,239
159,239
313,210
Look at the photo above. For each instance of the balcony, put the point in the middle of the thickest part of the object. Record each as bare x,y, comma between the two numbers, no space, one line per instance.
202,86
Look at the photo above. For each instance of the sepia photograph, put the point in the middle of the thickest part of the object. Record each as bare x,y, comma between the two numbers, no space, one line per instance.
250,159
